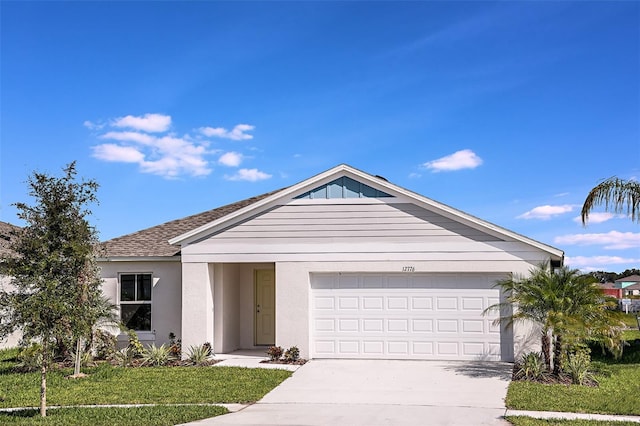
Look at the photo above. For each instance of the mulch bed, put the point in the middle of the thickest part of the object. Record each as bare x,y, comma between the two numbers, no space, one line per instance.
550,379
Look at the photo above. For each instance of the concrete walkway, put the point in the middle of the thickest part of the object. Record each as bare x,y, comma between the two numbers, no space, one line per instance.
365,392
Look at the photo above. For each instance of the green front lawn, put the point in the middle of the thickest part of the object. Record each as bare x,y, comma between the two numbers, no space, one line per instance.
150,385
135,416
114,385
617,394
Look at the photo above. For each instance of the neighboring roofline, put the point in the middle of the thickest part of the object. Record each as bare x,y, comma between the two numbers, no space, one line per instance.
139,259
271,201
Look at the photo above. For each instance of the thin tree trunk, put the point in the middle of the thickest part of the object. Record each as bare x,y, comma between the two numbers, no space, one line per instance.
546,350
78,357
557,356
43,379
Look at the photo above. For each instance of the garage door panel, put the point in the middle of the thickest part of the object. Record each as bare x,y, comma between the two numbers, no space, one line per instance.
404,317
421,303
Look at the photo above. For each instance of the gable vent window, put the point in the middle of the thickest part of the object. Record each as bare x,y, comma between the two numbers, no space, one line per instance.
343,187
135,301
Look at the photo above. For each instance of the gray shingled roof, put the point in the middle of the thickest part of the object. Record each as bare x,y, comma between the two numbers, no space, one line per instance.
153,242
6,235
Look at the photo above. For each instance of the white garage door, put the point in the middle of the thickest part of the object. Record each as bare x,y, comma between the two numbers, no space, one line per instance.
409,316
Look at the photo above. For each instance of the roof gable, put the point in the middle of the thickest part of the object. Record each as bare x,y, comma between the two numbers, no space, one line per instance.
379,184
343,187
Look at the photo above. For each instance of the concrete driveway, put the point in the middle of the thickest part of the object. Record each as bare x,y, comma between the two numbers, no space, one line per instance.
368,392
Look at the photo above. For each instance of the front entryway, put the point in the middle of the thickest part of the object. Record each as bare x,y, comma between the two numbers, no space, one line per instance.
265,307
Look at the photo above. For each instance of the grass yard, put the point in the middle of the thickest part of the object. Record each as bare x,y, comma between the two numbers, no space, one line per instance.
151,416
631,320
151,385
528,421
617,393
114,385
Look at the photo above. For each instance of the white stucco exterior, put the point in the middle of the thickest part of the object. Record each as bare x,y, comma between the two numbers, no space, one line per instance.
207,293
166,307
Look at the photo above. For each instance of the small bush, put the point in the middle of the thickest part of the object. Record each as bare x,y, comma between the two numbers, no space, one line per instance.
156,355
531,366
275,352
199,354
123,357
292,354
134,344
30,357
577,367
175,346
103,344
209,349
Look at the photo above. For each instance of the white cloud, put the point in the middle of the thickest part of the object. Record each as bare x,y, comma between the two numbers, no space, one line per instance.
599,217
598,263
414,175
578,261
613,240
464,159
166,156
251,175
230,159
142,138
93,126
547,212
146,140
153,123
236,134
117,153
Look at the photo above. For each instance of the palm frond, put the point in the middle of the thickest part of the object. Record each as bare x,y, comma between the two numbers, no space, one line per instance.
617,196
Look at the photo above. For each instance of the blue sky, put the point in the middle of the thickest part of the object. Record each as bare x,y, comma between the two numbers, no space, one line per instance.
510,111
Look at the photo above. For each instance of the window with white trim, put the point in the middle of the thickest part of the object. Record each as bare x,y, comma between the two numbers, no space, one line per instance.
135,301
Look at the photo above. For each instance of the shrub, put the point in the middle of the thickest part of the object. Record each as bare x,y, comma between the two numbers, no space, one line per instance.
275,352
577,367
123,357
30,357
531,366
175,346
103,344
207,345
292,354
156,355
199,354
134,343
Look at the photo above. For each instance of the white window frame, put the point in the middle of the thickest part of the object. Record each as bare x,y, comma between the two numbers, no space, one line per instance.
135,302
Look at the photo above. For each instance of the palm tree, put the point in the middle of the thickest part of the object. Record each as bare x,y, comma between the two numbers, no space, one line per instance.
563,303
617,195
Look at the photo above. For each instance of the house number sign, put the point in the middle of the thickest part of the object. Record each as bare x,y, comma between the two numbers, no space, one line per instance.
408,269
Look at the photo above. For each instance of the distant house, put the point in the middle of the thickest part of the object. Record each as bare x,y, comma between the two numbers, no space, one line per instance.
342,265
630,285
610,289
7,232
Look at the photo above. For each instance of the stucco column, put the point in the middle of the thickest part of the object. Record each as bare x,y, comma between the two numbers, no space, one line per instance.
197,304
292,306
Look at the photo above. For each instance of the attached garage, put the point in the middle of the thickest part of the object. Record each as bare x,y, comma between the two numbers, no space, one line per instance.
406,316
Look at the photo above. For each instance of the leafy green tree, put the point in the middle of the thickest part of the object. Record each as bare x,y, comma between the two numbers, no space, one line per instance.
57,283
563,303
617,195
